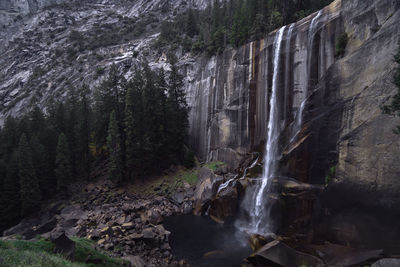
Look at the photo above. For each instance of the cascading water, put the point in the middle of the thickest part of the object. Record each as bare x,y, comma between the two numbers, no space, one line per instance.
255,215
311,34
256,207
287,72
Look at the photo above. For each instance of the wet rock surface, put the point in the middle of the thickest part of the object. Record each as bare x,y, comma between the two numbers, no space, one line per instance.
206,189
279,253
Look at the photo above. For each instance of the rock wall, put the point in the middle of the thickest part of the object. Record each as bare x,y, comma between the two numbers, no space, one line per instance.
228,94
343,136
39,59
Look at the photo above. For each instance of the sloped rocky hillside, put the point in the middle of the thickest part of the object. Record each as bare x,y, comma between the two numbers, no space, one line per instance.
47,46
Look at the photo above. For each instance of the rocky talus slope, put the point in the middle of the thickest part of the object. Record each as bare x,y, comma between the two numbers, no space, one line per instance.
123,224
47,46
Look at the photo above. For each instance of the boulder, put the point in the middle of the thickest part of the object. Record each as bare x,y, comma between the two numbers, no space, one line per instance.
161,232
135,236
258,241
128,226
178,197
337,255
387,263
107,231
221,170
206,189
73,213
189,192
117,230
121,219
135,261
63,245
224,205
148,234
152,216
30,227
187,208
277,253
94,234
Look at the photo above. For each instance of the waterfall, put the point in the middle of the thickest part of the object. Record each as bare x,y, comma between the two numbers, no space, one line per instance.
257,206
255,215
287,73
311,33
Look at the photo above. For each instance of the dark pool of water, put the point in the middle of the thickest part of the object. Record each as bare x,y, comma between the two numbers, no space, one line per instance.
202,242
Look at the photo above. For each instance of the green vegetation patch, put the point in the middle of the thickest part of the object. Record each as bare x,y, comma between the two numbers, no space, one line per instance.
13,257
190,177
166,183
40,253
36,246
330,175
215,164
85,252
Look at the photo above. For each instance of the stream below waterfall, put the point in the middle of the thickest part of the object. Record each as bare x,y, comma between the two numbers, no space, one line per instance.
203,242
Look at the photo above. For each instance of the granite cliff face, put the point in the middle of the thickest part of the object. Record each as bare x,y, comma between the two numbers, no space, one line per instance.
229,93
48,45
342,130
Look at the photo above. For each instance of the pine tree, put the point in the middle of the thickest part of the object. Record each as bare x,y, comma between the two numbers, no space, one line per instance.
60,120
9,137
114,149
153,117
71,129
42,169
133,121
83,131
191,24
29,185
63,164
109,96
162,86
11,202
37,120
177,111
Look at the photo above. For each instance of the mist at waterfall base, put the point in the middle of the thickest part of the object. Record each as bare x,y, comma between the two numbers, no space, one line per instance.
203,242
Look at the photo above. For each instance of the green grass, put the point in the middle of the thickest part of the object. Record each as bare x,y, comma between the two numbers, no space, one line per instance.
214,165
12,258
190,177
165,183
85,248
170,182
40,253
331,175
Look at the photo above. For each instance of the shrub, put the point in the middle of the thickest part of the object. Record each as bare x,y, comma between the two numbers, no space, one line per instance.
189,160
331,174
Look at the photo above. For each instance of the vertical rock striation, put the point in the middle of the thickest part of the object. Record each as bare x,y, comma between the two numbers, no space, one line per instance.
229,94
330,119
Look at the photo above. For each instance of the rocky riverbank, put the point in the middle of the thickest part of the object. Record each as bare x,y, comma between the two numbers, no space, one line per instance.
125,224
